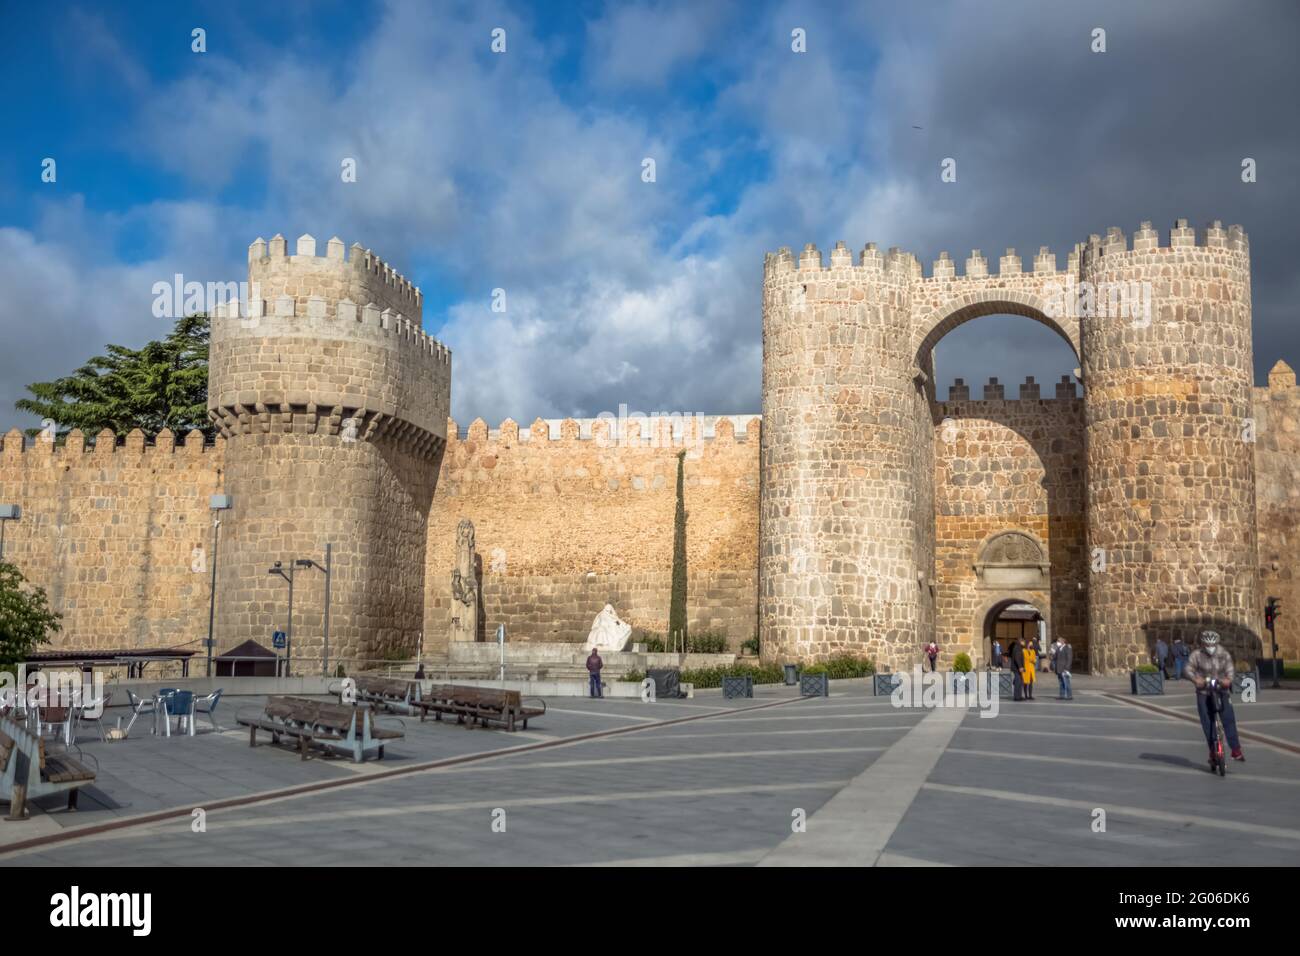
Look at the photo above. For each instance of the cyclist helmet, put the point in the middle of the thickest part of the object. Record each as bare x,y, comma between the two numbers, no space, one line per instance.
1209,638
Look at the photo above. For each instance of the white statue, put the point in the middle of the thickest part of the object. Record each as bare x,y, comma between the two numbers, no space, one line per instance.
608,632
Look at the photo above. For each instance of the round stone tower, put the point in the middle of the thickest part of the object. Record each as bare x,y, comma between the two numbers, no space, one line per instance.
333,402
846,525
1171,467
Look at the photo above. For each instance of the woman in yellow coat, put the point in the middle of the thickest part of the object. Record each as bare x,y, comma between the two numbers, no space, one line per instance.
1031,669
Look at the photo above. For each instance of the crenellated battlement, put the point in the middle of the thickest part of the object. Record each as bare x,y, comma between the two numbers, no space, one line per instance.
995,391
75,445
331,320
357,259
650,431
977,265
1181,237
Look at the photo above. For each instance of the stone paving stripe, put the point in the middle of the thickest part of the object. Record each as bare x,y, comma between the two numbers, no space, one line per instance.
899,859
854,826
602,713
980,728
656,758
723,858
782,733
318,786
1116,764
1179,819
1242,731
334,817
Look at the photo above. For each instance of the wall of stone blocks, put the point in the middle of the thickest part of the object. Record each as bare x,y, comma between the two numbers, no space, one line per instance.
1009,465
1277,477
551,507
114,530
1171,468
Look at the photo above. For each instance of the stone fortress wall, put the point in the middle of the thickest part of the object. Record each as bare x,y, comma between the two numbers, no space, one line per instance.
571,515
849,560
112,527
333,402
887,513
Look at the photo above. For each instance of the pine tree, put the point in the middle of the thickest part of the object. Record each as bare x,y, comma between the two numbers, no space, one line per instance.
164,384
677,603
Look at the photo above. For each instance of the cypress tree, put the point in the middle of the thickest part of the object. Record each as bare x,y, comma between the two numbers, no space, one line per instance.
677,603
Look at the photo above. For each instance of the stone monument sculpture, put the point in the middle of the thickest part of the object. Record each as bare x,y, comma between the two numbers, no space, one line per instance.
608,631
464,585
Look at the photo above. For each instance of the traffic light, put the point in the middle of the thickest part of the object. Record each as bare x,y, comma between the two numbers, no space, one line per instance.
1272,611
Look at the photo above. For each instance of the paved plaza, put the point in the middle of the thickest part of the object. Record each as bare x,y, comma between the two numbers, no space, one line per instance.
709,782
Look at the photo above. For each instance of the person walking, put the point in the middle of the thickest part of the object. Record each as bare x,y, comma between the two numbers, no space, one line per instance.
997,654
932,652
1181,653
1062,661
1162,656
594,664
1017,656
1031,669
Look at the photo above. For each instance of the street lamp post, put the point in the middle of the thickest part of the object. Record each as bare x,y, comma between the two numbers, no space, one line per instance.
278,568
217,504
7,513
328,569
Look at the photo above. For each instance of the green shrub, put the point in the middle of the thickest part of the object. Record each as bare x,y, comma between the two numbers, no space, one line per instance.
653,641
843,666
706,642
752,645
961,663
633,677
1146,668
703,677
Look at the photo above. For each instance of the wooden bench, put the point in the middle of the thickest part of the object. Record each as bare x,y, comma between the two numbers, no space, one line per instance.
390,693
320,724
27,771
482,705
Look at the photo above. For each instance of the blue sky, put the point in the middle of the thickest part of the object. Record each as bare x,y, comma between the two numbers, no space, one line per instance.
522,170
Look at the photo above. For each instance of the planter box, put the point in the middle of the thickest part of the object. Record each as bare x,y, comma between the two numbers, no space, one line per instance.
1142,683
814,685
882,685
733,687
1006,685
958,680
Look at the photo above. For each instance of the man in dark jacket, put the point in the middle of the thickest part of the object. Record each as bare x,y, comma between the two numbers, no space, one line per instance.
1017,655
1062,661
1162,656
594,664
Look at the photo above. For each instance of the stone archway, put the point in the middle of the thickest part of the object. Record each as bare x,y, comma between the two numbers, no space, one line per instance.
996,609
1036,303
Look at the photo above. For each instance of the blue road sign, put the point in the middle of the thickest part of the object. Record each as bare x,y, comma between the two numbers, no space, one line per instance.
278,640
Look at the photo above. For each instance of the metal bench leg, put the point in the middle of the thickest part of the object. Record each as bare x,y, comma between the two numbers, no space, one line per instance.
302,746
72,799
252,736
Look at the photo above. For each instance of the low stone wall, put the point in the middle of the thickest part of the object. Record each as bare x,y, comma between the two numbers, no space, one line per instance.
560,608
488,654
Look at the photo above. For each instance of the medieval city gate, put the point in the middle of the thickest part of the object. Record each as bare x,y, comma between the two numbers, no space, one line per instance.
868,502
